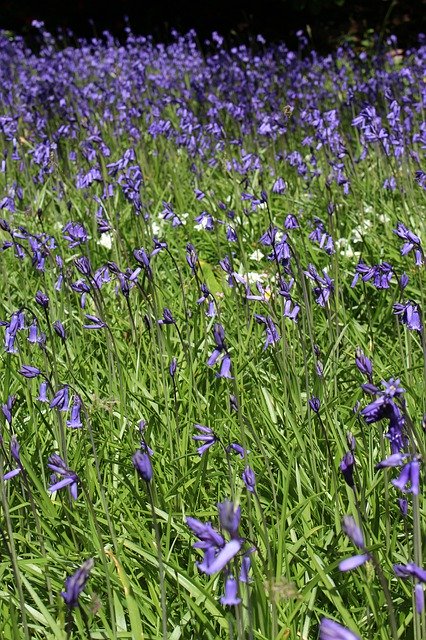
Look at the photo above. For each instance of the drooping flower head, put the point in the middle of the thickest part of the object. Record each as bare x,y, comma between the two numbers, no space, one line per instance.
75,584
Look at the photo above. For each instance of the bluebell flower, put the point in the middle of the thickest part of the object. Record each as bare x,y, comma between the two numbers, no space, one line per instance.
249,479
67,477
331,630
75,584
142,463
74,421
272,335
206,436
95,322
412,242
29,372
409,315
14,452
230,598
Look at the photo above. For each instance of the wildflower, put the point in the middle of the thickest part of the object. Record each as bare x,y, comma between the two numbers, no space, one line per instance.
96,323
411,570
144,259
221,349
409,476
249,479
330,630
363,363
167,317
231,592
229,517
142,463
272,335
191,257
207,436
42,299
59,330
42,394
69,477
279,186
75,234
172,367
315,404
14,452
60,399
347,468
381,274
354,533
83,265
323,286
75,584
411,242
291,222
409,315
75,420
7,408
237,448
29,372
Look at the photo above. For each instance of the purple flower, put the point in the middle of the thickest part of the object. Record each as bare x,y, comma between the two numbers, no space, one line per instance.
363,363
353,532
42,299
410,570
68,477
83,265
42,394
234,446
279,186
315,404
323,286
347,468
7,408
167,317
207,436
29,372
291,222
75,584
142,463
330,630
231,592
59,329
249,479
144,260
172,367
75,420
409,477
75,234
409,315
353,562
96,323
229,517
191,256
60,399
224,556
272,335
14,452
411,242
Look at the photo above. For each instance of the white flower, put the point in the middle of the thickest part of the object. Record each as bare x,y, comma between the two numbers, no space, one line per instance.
105,240
257,255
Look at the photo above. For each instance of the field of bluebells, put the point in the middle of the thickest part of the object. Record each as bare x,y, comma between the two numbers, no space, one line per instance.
213,364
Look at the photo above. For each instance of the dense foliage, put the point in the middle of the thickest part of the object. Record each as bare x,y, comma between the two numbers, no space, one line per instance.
213,373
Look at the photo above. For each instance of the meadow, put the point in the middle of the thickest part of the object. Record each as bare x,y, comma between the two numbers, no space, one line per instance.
213,360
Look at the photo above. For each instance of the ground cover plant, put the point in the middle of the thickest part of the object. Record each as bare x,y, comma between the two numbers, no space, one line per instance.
213,363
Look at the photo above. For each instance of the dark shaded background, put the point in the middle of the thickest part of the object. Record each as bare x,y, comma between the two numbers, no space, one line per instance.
329,21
